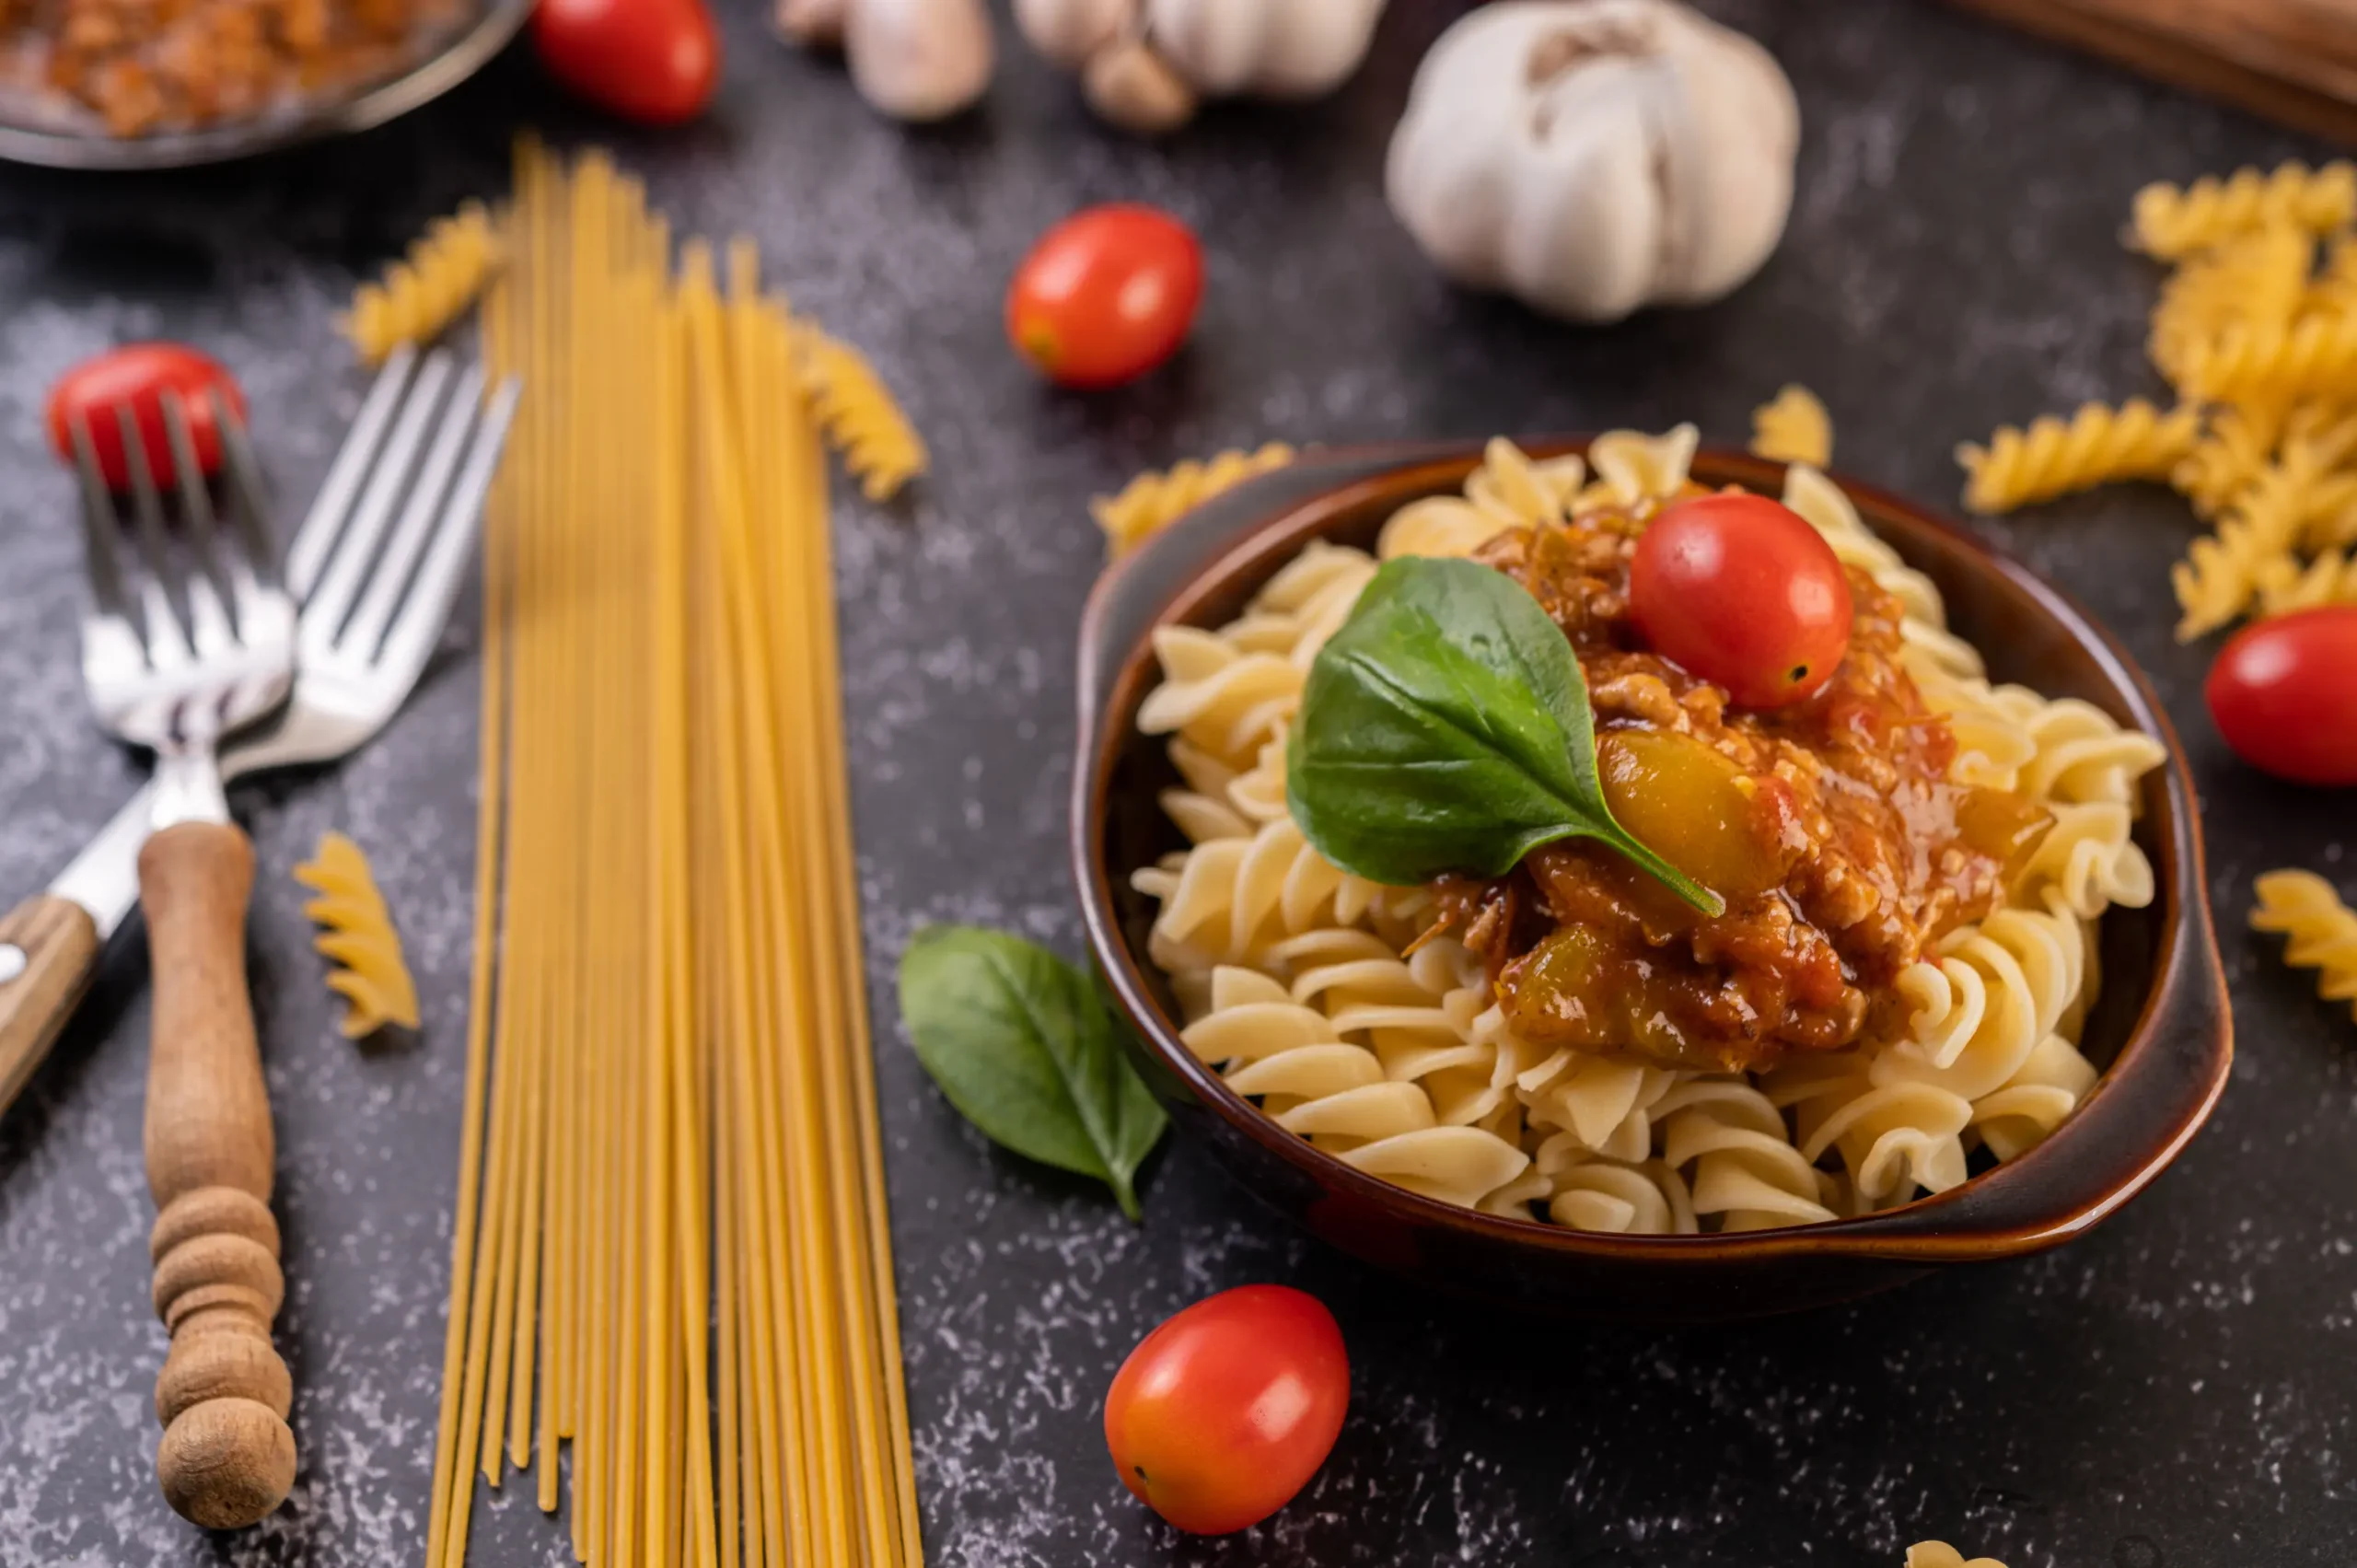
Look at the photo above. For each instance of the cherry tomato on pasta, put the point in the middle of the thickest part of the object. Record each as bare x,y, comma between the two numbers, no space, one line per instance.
1106,295
652,61
1225,1411
137,375
1741,591
2283,693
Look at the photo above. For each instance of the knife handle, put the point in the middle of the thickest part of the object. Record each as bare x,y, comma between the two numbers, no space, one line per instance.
226,1458
49,949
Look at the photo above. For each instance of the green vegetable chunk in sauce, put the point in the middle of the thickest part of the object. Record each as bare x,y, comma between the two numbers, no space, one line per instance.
1017,1039
1446,727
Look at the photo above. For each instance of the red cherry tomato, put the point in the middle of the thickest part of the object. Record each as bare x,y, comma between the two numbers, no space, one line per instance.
2283,693
1225,1411
1741,591
652,61
1106,295
137,375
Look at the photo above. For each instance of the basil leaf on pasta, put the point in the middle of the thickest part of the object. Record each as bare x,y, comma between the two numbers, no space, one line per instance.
1017,1039
1446,727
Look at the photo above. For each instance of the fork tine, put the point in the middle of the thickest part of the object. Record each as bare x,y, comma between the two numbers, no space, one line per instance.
98,524
309,554
392,570
244,492
330,597
428,605
167,644
209,627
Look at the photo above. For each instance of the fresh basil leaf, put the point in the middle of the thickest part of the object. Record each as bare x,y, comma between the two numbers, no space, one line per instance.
1017,1039
1446,727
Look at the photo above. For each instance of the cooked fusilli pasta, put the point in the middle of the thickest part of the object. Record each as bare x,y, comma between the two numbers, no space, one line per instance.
1794,427
1290,977
372,976
2169,221
860,417
424,293
2323,930
1151,501
2051,459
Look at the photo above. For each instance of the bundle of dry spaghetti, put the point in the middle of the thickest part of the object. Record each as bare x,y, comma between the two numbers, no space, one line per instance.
671,1248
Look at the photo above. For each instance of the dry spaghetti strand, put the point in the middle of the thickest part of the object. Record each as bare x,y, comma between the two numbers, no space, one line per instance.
671,1248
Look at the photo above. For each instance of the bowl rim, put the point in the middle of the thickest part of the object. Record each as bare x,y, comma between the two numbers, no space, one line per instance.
2181,1039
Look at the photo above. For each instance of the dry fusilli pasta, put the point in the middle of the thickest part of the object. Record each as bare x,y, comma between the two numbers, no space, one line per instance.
2257,280
1151,501
2169,221
425,291
1794,427
2286,584
372,976
2314,357
2323,930
2050,458
1940,1554
879,445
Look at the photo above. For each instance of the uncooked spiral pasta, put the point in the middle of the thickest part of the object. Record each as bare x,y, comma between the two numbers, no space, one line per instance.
1359,1017
1940,1554
1151,501
2323,930
2169,221
2285,583
425,291
1793,427
2314,357
371,975
862,420
2099,444
2255,280
2296,498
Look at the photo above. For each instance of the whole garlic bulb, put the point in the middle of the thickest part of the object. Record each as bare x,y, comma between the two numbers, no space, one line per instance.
1145,62
912,59
1590,156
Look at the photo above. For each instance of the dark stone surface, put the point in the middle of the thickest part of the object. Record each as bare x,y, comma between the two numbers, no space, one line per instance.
2174,1392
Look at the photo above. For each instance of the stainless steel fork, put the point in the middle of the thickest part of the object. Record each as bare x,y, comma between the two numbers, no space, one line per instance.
376,564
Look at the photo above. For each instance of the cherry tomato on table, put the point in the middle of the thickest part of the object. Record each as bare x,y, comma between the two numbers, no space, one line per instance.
1741,591
1106,295
137,375
652,61
1225,1411
2283,693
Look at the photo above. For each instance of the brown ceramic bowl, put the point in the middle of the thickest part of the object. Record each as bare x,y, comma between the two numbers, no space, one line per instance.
2160,1030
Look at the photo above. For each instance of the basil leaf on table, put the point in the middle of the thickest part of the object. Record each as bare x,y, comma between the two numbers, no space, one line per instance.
1017,1039
1446,727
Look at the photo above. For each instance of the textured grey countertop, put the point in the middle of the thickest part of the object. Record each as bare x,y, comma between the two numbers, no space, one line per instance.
2174,1392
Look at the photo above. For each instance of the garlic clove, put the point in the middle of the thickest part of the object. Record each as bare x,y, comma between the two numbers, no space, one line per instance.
1130,86
1276,47
1069,32
811,23
919,59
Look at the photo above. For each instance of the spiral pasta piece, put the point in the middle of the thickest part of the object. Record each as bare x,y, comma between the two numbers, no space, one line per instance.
1154,500
1940,1554
2257,280
2079,754
1647,1199
2169,221
2050,458
2323,930
1508,490
862,420
1633,468
1747,1171
2314,357
425,291
371,974
2284,583
1794,427
1222,699
2019,1114
2231,453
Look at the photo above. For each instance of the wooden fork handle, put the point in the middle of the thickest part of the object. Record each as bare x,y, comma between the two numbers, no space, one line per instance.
226,1458
49,948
